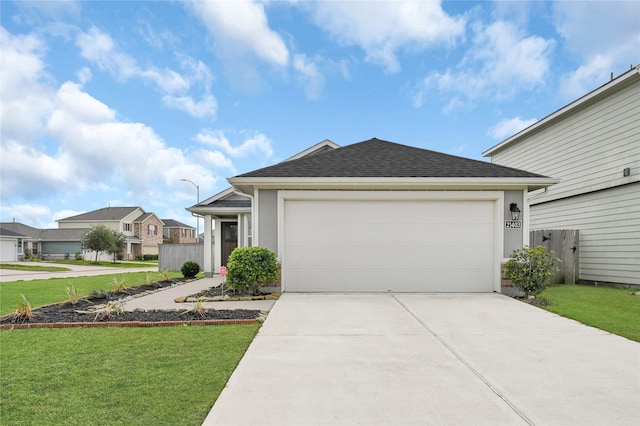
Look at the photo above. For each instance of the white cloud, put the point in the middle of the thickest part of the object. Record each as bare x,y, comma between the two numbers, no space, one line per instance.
27,214
257,144
216,159
613,48
23,84
309,75
510,126
100,49
383,28
203,108
241,27
501,62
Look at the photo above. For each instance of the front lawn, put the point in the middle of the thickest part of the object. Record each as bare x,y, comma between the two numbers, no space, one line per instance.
128,376
614,310
104,263
44,292
27,267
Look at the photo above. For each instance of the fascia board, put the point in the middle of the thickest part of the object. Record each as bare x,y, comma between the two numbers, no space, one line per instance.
394,183
218,211
564,110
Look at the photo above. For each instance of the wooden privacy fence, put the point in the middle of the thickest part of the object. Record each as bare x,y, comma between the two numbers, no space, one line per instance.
172,256
565,243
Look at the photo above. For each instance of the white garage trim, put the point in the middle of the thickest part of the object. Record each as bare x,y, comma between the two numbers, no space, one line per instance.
495,197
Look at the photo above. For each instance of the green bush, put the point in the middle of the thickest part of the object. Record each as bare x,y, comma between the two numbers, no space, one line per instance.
251,267
139,257
190,269
150,257
531,268
79,256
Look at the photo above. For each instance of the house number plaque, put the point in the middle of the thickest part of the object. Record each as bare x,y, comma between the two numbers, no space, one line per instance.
513,224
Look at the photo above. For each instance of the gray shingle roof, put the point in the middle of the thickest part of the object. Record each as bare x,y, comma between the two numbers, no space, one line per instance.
106,213
70,234
20,228
230,203
378,158
171,223
9,233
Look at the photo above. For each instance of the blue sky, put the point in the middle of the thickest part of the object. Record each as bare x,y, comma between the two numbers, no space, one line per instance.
113,102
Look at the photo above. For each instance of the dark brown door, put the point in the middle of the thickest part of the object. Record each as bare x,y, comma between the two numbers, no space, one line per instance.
229,239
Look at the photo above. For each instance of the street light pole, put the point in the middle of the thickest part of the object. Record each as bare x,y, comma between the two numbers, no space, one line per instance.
198,202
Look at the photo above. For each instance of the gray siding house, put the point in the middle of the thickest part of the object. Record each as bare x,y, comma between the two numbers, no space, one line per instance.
378,216
592,146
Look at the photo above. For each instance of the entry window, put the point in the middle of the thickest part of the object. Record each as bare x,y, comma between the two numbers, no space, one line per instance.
153,230
126,227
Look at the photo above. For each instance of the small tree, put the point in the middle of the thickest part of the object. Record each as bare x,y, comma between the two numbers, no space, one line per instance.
98,239
118,243
251,267
531,268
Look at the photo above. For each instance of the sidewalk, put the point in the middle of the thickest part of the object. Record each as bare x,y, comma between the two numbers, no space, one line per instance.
9,275
164,299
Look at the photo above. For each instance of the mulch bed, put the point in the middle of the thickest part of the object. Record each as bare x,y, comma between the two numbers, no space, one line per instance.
66,315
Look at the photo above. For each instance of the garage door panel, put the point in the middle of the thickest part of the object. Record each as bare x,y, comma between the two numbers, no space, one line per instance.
388,245
387,279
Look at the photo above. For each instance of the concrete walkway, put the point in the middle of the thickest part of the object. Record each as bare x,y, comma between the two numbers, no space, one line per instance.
164,299
429,359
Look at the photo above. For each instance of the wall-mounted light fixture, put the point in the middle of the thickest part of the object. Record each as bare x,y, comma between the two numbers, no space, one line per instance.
515,211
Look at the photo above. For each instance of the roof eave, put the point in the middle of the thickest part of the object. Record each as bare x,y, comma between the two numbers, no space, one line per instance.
408,183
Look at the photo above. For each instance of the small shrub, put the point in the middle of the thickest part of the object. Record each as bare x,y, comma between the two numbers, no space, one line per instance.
139,257
119,285
251,267
79,256
150,257
111,309
67,256
165,275
198,308
531,268
148,278
24,310
190,269
72,294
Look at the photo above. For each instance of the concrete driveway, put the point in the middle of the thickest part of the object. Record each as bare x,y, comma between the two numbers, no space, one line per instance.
402,359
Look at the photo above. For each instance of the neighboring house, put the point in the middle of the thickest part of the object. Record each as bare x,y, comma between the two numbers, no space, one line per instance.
175,232
593,146
11,246
30,234
376,216
142,230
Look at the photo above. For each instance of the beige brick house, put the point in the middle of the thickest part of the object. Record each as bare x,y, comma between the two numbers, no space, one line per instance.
143,231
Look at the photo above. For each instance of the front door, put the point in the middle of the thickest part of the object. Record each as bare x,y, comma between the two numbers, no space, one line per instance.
229,239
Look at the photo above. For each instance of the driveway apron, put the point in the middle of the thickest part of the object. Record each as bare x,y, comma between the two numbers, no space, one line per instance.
458,359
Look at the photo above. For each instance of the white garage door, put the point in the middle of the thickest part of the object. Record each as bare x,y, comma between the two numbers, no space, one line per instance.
8,251
389,245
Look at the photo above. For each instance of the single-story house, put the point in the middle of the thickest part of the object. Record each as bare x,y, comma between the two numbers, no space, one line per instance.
11,245
376,216
592,145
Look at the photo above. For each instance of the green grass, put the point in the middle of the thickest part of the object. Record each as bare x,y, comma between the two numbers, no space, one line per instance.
119,376
104,263
44,292
614,310
27,267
